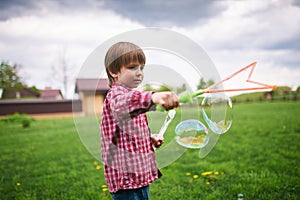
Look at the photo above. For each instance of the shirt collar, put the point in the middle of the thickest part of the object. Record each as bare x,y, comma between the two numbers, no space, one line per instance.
119,84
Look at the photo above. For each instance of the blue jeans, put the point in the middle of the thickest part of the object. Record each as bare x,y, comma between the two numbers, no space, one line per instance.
132,194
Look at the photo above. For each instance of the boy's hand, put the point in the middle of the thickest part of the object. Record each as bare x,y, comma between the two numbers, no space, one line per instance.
168,100
155,141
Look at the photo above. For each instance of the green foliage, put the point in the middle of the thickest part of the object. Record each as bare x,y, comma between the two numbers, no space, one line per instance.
11,81
9,78
283,90
181,89
275,95
26,122
17,118
35,89
258,157
204,84
248,97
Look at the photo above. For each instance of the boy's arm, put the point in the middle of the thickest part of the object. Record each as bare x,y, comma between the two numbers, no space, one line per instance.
168,100
128,105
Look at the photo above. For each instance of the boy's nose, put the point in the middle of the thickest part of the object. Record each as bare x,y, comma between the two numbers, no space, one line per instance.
139,71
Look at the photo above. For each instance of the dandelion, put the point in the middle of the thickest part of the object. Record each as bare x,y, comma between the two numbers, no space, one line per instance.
216,173
195,176
188,174
95,163
18,184
104,188
206,173
208,183
98,167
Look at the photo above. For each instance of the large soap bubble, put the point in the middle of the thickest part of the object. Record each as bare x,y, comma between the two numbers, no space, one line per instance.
217,118
191,134
191,62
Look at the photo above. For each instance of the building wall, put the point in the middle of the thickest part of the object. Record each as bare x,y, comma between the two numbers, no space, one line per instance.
99,100
92,103
89,103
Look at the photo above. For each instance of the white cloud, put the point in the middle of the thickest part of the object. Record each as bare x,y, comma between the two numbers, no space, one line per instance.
258,24
36,42
258,31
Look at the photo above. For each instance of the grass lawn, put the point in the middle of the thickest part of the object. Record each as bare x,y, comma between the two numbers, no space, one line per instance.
259,157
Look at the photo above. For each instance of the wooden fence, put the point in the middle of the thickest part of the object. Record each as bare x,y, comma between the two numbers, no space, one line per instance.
38,106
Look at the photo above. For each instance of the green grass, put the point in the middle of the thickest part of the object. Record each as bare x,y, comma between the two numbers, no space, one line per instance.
258,157
48,161
248,96
260,96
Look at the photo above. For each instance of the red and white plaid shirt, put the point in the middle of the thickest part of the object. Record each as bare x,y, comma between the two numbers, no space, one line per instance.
127,153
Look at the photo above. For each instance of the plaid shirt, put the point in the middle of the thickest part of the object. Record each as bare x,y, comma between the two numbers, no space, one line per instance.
127,153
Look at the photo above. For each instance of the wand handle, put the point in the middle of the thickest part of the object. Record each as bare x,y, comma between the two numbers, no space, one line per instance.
198,93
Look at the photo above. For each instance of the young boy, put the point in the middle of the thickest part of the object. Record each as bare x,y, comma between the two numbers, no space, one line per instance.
126,141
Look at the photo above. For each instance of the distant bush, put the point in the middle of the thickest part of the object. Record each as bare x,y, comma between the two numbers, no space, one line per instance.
267,96
24,119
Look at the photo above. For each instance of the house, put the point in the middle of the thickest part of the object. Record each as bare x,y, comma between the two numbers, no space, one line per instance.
49,93
38,103
24,93
92,93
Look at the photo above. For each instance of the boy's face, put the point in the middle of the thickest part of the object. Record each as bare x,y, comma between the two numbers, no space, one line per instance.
131,75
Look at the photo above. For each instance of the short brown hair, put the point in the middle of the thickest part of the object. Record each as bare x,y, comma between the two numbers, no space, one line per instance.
122,54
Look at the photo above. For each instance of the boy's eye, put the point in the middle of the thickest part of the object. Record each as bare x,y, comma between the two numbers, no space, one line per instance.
136,67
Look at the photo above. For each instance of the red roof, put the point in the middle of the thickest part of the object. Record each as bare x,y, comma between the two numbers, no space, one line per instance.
51,94
100,85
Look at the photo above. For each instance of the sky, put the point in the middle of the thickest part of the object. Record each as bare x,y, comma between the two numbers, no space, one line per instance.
42,36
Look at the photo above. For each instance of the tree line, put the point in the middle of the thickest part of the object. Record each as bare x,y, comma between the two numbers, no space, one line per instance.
11,81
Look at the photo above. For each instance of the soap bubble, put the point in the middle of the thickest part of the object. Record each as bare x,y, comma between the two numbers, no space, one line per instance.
191,134
217,118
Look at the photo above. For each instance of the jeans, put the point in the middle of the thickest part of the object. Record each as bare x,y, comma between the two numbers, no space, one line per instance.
132,194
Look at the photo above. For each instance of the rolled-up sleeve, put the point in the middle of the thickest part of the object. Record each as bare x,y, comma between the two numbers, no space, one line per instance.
130,103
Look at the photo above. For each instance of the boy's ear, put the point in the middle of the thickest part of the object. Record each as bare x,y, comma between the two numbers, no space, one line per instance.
114,75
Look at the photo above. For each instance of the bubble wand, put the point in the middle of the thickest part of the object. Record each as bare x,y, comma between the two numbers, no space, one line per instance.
192,133
252,66
170,116
220,126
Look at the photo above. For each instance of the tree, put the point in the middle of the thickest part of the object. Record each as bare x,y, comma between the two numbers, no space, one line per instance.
283,90
181,89
203,84
61,72
11,82
9,78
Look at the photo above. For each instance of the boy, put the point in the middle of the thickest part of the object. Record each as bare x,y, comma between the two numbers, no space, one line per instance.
126,141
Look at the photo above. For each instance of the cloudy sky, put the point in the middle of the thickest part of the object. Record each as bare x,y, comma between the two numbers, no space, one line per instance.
42,35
